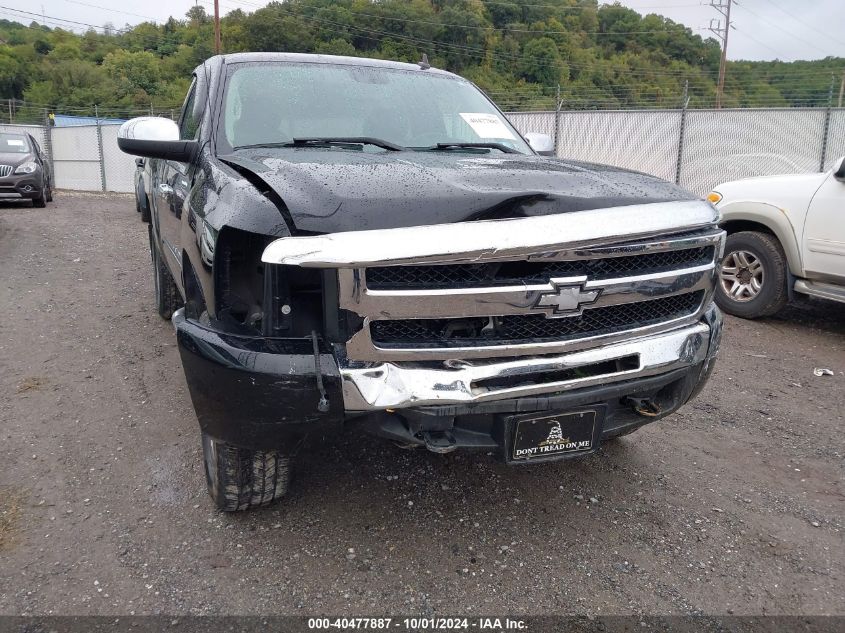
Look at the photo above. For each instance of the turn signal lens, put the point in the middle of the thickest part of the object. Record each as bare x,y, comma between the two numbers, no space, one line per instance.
715,197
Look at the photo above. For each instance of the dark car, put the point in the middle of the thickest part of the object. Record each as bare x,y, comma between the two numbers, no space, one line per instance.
345,241
24,170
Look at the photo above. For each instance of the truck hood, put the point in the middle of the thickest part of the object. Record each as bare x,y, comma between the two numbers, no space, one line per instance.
327,190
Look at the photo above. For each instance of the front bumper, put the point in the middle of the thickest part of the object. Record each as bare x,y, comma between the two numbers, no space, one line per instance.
259,393
21,186
396,386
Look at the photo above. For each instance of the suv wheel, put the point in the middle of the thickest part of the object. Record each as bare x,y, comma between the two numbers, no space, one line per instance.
41,201
240,479
752,276
49,194
166,292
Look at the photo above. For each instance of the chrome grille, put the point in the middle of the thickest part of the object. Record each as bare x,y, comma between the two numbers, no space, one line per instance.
531,272
532,286
5,170
543,303
532,328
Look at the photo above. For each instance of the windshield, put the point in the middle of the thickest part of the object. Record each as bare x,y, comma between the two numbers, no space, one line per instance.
274,103
13,144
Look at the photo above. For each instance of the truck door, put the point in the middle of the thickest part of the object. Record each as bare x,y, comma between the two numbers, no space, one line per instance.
824,233
173,183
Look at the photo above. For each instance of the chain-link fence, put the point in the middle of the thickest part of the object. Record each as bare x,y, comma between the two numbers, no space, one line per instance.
696,148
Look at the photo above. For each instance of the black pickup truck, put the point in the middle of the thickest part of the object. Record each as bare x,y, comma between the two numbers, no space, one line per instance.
353,241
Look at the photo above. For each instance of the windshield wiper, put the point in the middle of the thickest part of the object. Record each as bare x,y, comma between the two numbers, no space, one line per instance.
349,140
337,140
499,146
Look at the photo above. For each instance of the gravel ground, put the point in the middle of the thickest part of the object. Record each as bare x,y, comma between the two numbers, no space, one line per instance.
733,505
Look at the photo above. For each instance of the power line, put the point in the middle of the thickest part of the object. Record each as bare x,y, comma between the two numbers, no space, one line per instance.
54,18
559,8
97,6
779,27
805,23
751,37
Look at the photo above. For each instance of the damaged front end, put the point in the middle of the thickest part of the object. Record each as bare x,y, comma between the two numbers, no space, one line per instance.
481,335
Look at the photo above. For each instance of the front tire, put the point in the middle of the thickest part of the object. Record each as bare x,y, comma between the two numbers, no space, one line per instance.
41,201
145,211
752,276
167,295
241,479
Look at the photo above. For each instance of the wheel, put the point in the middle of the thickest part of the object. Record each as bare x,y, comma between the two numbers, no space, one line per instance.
240,479
145,210
752,276
49,192
166,292
41,201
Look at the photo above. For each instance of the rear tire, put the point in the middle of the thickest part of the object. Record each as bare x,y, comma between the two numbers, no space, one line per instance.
49,192
167,295
241,479
752,276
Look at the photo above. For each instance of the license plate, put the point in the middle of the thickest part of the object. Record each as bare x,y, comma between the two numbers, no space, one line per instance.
556,434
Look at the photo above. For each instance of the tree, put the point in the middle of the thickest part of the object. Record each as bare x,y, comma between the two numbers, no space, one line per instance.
519,50
12,79
136,75
541,62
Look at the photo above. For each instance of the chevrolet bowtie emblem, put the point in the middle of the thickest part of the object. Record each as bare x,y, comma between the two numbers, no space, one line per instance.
565,299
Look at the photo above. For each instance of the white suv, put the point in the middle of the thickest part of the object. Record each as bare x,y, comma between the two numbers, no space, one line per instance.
785,234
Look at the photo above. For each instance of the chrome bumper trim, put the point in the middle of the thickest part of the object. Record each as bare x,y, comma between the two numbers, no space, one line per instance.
395,385
491,240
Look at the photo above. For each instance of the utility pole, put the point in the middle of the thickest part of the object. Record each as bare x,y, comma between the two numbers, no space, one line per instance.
723,7
216,27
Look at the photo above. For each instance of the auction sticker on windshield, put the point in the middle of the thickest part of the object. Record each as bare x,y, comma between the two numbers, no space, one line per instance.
487,125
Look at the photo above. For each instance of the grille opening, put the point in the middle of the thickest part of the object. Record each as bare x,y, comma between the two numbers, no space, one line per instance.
531,272
510,330
626,363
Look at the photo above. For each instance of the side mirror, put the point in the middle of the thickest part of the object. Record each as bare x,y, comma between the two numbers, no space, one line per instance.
541,143
155,137
839,169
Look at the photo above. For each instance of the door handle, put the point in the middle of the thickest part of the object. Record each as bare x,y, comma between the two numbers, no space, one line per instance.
165,189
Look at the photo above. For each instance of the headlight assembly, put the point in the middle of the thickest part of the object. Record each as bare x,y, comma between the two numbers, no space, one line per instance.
26,168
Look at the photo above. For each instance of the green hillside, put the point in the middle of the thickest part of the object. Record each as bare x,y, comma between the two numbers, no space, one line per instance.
520,52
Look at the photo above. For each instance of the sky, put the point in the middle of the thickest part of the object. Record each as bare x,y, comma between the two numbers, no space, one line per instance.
764,29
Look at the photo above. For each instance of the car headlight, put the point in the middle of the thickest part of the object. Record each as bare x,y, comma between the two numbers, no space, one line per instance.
715,197
26,168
